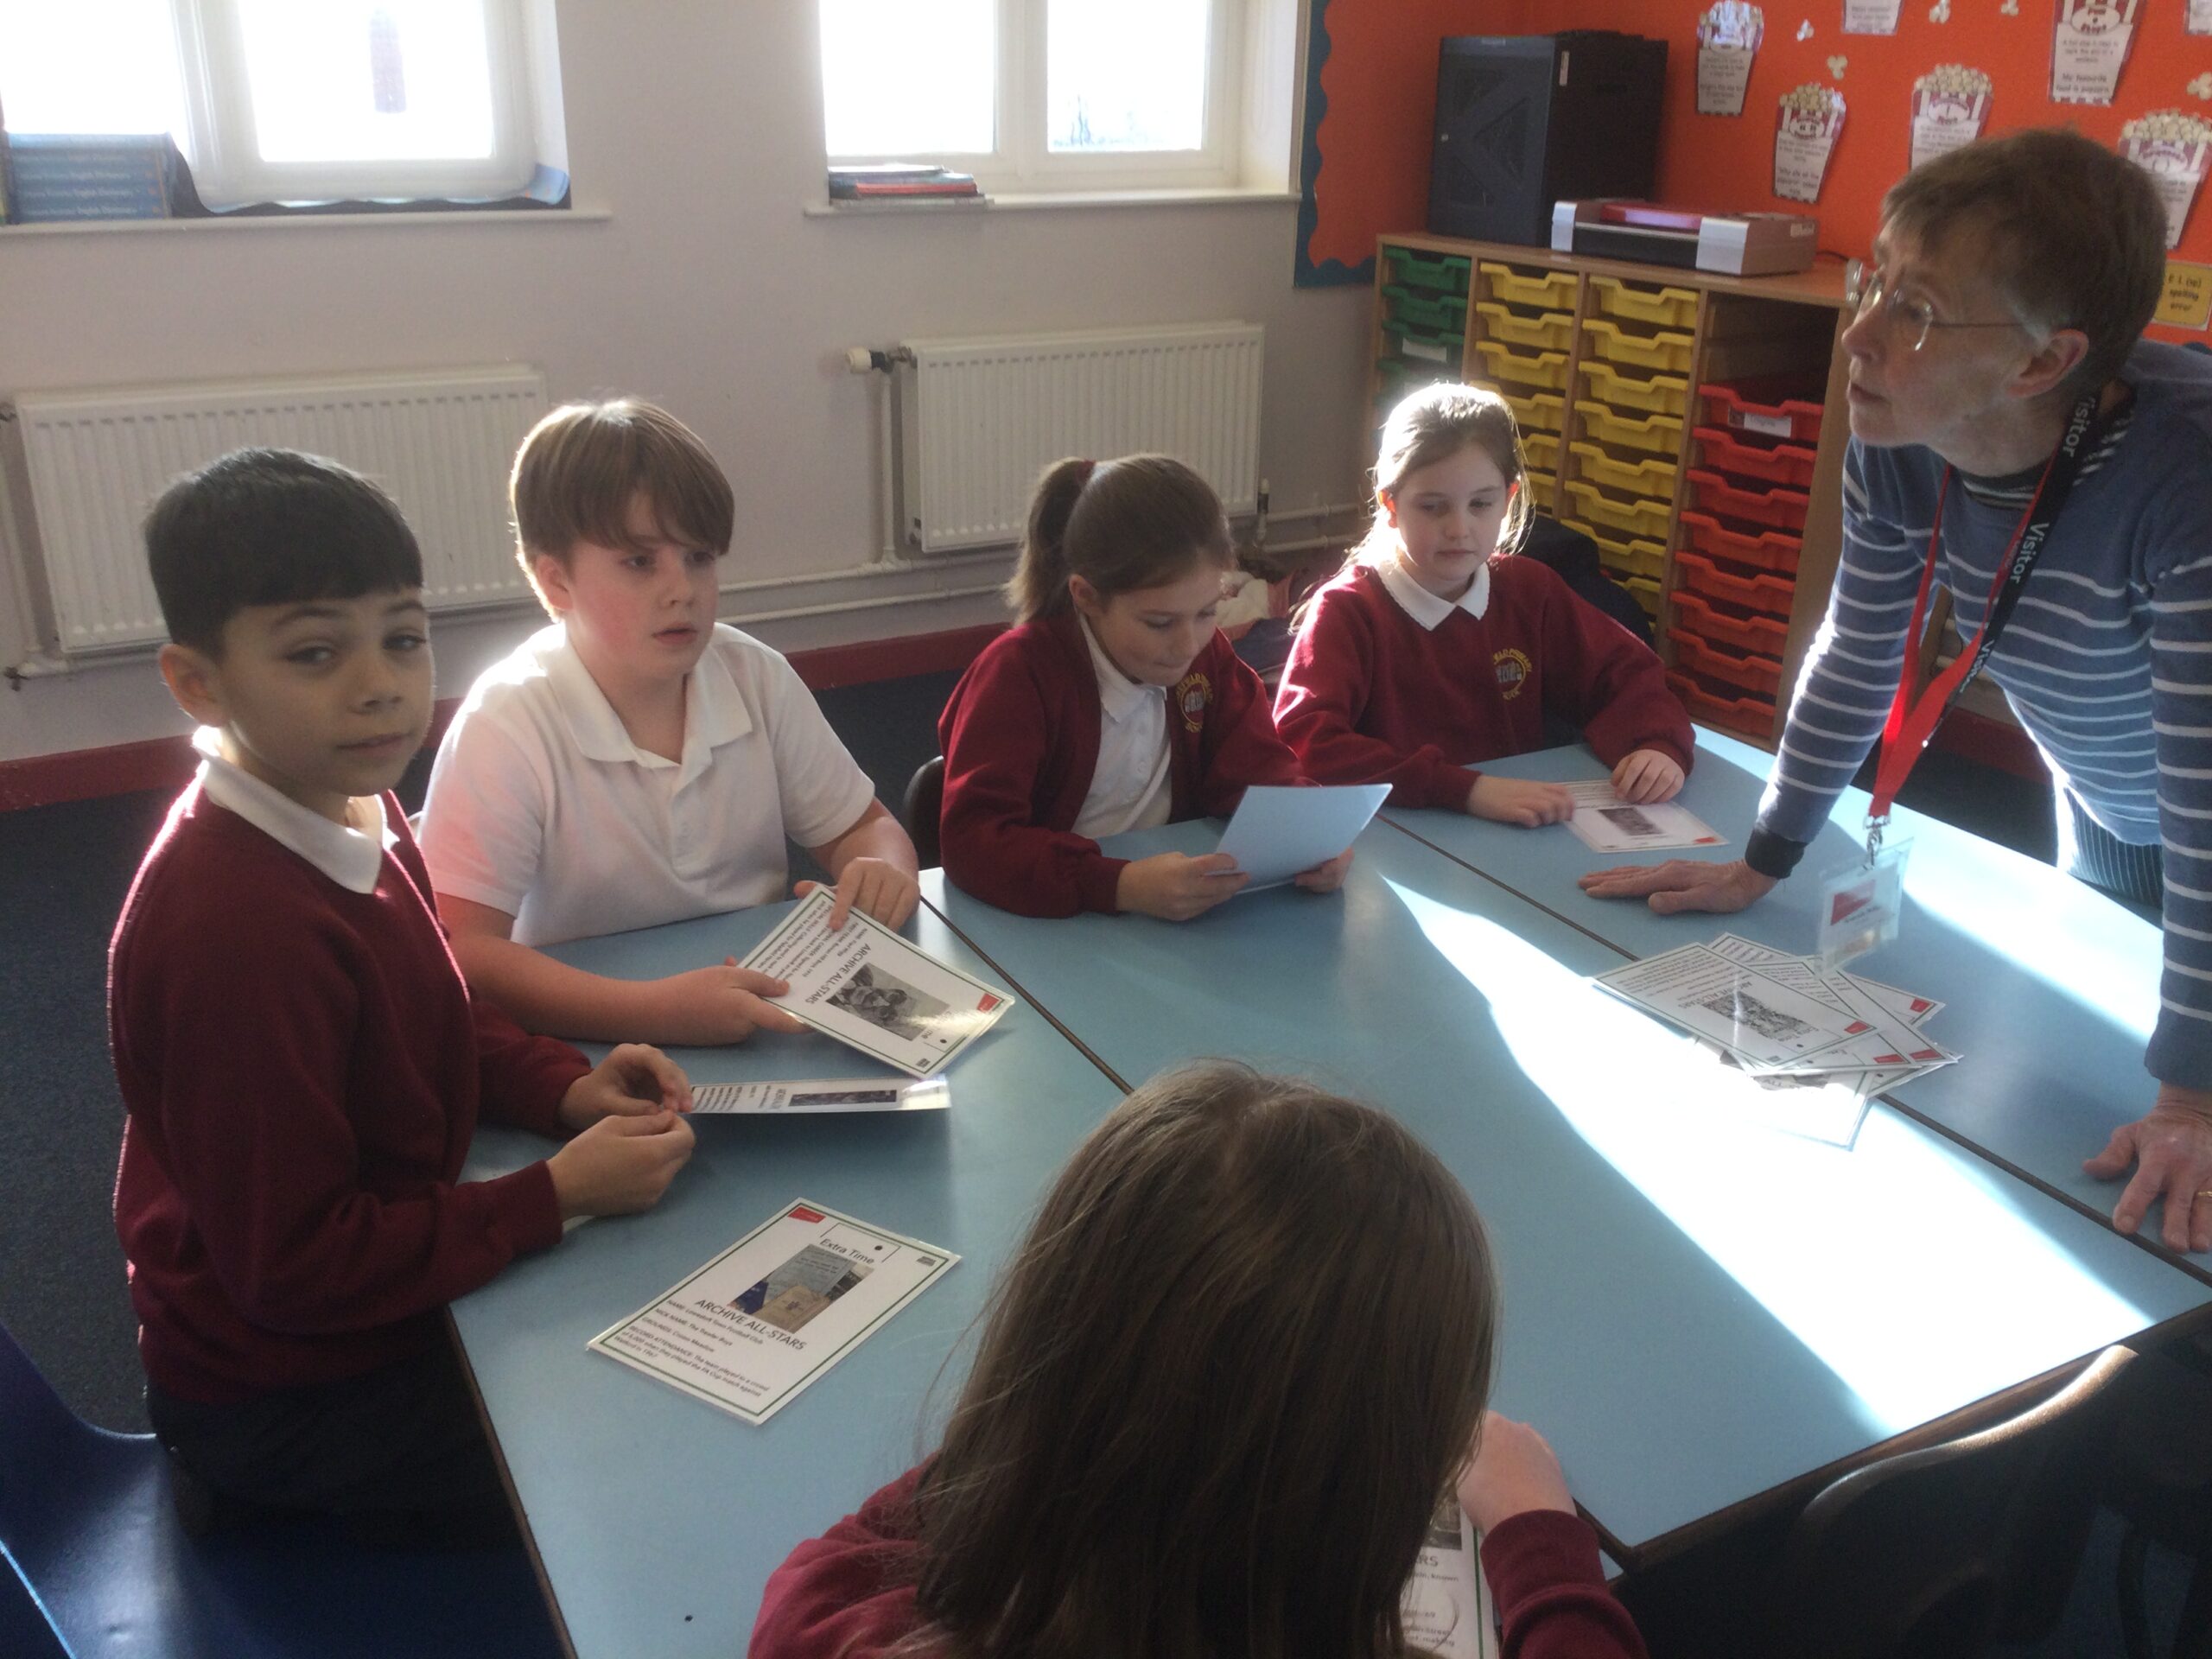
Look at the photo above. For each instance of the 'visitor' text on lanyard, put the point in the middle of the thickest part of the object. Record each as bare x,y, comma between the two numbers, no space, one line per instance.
1913,721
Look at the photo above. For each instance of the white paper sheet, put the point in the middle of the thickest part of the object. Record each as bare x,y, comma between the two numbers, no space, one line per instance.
806,1095
1606,823
1279,833
1763,1023
1446,1608
869,989
754,1327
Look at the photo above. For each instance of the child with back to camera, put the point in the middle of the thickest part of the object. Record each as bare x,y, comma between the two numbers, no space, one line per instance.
1220,1392
1435,650
1113,704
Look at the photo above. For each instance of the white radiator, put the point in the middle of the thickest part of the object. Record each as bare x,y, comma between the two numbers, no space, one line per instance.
981,418
441,441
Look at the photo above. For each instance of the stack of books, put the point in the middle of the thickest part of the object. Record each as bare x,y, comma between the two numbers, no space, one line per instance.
899,180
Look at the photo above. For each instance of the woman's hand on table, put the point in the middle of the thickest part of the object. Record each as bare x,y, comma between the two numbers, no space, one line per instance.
1681,884
2171,1151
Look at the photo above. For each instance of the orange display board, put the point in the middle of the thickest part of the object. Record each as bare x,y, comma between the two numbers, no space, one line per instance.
1368,146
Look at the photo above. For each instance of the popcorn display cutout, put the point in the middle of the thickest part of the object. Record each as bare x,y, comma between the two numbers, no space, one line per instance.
1805,30
1837,64
1728,36
1871,16
1805,123
2202,86
2171,146
1951,104
2089,49
1940,12
2010,8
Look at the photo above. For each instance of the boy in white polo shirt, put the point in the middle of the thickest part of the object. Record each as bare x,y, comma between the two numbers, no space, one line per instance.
636,762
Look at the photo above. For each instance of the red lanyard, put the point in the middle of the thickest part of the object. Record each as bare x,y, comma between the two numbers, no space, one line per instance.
1906,732
1913,721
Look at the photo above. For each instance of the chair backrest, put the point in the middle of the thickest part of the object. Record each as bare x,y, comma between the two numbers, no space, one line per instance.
924,806
1920,1553
38,1435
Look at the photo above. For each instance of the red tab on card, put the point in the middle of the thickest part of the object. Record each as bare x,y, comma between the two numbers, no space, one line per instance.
986,1004
800,1213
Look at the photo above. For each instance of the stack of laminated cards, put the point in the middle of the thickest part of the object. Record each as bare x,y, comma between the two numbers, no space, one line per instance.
1787,1020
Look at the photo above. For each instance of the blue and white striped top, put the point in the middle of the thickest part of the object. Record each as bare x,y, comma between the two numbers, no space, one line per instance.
2106,663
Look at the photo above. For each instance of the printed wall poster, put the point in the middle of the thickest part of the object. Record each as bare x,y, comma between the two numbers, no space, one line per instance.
1805,128
1871,16
1728,37
2089,49
1950,104
2198,18
2171,146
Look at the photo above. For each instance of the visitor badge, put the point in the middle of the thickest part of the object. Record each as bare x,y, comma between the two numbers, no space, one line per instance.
1861,904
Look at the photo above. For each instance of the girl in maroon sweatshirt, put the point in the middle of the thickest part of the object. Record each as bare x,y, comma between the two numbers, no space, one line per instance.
1435,650
1113,705
1220,1392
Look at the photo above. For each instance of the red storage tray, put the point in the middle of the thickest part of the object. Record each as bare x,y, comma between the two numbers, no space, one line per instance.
1778,509
1747,631
1789,464
1760,675
1768,595
1769,550
1721,705
1775,406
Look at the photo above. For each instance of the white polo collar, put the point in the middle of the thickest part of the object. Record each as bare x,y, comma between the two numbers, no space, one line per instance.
714,708
1119,697
1426,607
351,858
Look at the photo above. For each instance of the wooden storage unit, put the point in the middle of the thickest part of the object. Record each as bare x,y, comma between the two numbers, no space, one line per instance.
1732,499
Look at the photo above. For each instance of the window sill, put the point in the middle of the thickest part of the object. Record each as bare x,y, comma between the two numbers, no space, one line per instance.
294,222
1027,201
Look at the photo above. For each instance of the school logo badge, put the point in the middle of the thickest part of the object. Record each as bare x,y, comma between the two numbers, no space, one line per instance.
1192,696
1513,668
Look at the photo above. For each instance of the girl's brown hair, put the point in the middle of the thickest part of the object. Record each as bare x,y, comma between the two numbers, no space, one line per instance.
1433,424
579,468
1119,525
1220,1392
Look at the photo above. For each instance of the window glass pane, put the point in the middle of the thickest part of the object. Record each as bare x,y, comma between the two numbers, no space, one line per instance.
368,80
90,66
906,78
1126,74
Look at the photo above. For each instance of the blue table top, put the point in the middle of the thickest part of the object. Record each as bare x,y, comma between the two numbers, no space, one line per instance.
2052,987
658,1518
1700,1306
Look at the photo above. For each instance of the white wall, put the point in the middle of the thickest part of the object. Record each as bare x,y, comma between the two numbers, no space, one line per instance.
697,124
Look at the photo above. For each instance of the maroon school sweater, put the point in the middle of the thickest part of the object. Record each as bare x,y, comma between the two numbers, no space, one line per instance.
302,1070
849,1595
1020,737
1371,696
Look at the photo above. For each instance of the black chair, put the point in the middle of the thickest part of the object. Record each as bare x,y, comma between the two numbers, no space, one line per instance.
924,806
2160,1484
1942,1551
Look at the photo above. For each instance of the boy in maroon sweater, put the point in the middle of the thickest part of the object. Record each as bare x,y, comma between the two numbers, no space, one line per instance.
1434,650
301,1064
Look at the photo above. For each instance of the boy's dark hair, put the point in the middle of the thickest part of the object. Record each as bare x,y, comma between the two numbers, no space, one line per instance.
2072,234
1221,1390
581,467
272,527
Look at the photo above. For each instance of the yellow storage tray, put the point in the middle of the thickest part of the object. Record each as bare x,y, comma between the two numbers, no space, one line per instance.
1541,450
1544,492
1548,331
1653,477
1658,434
1535,411
1625,556
1552,289
1647,519
1657,394
1662,351
1667,307
1544,370
1646,592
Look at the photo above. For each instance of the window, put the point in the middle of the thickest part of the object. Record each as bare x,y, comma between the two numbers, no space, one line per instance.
1039,95
276,100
